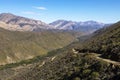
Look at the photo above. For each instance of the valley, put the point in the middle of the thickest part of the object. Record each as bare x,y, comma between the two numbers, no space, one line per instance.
61,50
71,65
17,46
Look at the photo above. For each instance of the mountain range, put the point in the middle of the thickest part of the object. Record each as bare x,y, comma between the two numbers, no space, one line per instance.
18,23
87,26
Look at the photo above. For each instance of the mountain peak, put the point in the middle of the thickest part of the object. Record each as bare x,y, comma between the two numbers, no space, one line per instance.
23,23
6,14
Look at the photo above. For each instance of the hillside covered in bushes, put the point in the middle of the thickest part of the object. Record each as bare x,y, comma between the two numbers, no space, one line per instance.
105,41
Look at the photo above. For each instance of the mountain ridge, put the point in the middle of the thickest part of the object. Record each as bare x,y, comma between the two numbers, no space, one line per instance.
23,22
87,26
26,24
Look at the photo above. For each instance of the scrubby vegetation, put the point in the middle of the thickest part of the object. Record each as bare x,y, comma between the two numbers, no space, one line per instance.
33,60
72,66
106,42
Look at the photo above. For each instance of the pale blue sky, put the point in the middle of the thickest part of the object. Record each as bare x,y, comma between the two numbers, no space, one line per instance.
107,11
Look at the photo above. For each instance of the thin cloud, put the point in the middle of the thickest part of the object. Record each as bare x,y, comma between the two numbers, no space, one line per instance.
41,8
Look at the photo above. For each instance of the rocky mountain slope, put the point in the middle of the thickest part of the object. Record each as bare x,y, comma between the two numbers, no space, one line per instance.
12,27
88,26
22,23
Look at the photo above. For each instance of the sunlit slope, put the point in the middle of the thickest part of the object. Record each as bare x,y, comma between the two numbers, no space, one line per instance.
15,46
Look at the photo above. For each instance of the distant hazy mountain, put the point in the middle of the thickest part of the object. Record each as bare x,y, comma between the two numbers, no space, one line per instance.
22,23
17,23
88,26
